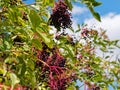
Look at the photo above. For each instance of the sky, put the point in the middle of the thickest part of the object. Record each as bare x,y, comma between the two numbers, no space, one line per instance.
110,15
110,18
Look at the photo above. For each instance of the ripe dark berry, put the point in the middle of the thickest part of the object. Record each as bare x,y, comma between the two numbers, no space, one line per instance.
60,18
61,63
44,46
43,55
97,88
24,15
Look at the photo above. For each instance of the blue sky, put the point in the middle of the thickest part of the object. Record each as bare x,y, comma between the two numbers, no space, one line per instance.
106,7
29,1
109,6
110,15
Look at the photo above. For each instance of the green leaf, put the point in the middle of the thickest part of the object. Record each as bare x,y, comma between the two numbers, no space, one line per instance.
71,29
107,57
71,88
45,37
48,2
14,80
6,45
106,88
78,28
34,18
30,63
77,31
118,46
68,2
96,4
8,60
33,79
37,43
91,3
70,51
1,71
95,14
103,49
22,69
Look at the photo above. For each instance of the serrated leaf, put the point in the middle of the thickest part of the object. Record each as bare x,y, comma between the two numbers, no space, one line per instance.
69,50
30,63
34,18
46,38
14,80
37,43
68,2
95,14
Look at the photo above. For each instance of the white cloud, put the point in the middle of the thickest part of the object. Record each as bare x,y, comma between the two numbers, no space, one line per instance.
110,22
77,10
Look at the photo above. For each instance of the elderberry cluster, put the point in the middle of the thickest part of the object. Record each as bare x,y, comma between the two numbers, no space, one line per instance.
58,83
55,67
60,18
50,56
56,59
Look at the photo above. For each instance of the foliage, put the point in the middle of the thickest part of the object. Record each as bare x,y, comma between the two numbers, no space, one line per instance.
32,58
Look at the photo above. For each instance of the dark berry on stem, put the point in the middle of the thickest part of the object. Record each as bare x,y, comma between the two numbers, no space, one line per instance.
60,18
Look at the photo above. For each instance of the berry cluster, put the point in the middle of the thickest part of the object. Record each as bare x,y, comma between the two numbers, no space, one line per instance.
58,79
88,33
85,32
56,59
54,69
51,56
60,16
96,88
57,83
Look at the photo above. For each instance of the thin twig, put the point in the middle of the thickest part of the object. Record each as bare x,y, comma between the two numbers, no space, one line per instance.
43,63
18,43
11,51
